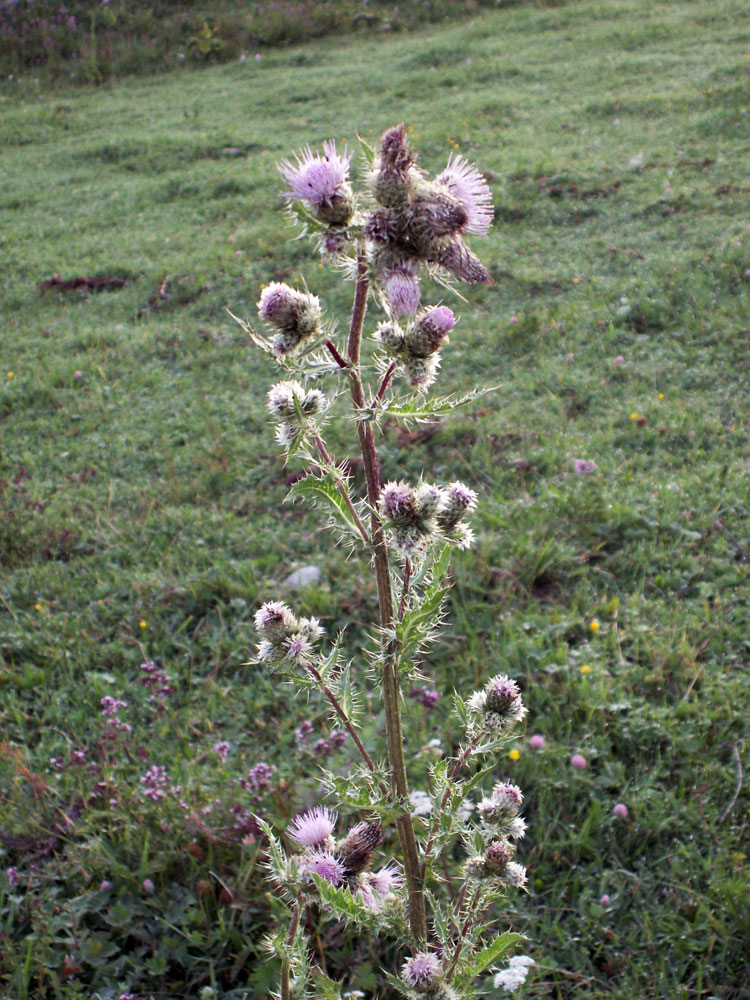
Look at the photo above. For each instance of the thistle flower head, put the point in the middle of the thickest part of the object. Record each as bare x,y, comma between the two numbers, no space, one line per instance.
322,181
421,372
515,875
358,847
497,856
429,502
459,501
498,706
397,503
296,315
281,399
275,619
314,827
395,153
465,183
422,970
402,290
326,865
391,336
388,879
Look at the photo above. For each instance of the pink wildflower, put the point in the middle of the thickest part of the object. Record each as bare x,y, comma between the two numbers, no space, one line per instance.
620,810
422,970
326,866
148,885
402,289
387,879
536,742
464,182
584,466
314,827
604,900
314,178
578,761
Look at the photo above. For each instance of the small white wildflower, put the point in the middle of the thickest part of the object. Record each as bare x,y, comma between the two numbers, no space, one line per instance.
515,974
421,803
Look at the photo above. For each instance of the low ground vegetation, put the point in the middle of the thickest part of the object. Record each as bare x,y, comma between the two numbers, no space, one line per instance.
141,516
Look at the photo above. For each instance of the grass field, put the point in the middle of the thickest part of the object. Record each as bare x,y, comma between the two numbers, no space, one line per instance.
142,516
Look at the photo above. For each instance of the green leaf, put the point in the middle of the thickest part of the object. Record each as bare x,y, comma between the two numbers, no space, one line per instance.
326,988
492,953
342,904
367,149
421,410
323,491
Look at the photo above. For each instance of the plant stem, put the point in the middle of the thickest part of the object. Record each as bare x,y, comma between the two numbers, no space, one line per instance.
383,385
391,685
285,963
333,351
342,488
461,937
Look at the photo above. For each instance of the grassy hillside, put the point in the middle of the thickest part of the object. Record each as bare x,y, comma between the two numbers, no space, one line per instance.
142,516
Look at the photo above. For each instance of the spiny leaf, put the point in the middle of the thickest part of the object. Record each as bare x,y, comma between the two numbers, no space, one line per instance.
324,491
342,904
491,954
419,410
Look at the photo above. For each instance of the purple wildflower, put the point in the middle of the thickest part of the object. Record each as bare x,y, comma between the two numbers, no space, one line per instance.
338,737
257,777
314,827
154,781
536,742
584,466
316,178
620,810
464,182
578,761
303,730
402,290
387,879
326,866
12,874
421,971
221,749
425,696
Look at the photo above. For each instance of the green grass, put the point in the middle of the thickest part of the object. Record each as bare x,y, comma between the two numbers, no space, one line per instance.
149,491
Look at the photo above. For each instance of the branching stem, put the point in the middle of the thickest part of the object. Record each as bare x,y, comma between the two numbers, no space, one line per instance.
462,936
447,795
334,352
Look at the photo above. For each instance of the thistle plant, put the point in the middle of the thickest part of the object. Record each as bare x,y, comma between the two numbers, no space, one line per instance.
400,230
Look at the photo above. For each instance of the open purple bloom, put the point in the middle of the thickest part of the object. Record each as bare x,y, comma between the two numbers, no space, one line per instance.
464,182
314,178
314,827
387,879
326,866
421,970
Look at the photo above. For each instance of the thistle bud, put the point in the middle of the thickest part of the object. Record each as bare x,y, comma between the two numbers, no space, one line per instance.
429,501
421,372
314,402
459,501
425,336
358,847
281,400
391,336
398,503
459,260
497,856
274,620
498,707
402,290
391,179
296,315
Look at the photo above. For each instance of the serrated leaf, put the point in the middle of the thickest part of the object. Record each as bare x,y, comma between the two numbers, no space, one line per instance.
367,150
491,954
326,988
342,904
421,410
324,491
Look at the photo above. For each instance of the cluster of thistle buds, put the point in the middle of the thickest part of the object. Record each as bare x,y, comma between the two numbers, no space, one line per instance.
420,221
417,347
421,516
500,824
497,707
285,639
294,409
345,862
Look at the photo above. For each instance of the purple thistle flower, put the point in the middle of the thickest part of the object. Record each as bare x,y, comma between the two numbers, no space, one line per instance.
316,178
387,879
464,182
423,970
402,290
397,502
314,827
326,866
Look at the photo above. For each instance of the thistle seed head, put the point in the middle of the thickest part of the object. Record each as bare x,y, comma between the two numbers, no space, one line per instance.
422,971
